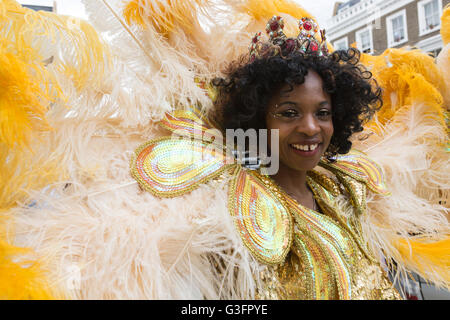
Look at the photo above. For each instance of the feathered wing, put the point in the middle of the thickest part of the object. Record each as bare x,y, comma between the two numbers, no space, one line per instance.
96,123
443,59
31,89
408,138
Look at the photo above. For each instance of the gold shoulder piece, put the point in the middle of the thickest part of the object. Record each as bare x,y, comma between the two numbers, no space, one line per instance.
169,167
186,122
260,215
357,172
360,167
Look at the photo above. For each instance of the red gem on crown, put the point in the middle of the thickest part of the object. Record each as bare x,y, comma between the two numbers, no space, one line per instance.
307,26
274,25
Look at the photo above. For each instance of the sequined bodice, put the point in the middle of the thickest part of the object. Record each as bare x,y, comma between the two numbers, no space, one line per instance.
337,267
311,270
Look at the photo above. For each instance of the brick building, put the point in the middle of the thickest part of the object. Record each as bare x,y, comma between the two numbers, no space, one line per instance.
375,25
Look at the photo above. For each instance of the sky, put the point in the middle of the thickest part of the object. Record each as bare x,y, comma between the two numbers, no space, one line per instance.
321,9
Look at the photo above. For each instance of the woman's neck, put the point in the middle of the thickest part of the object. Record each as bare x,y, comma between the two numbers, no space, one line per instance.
293,182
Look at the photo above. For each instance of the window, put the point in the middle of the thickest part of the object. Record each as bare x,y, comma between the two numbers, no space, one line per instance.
341,44
429,12
397,33
364,40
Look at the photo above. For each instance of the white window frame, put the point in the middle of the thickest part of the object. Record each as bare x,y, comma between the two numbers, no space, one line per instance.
423,28
358,39
390,32
344,39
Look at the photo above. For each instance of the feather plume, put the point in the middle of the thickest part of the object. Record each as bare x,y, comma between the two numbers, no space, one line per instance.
71,44
21,280
443,62
406,76
431,258
443,59
264,10
156,75
24,98
410,150
165,16
445,25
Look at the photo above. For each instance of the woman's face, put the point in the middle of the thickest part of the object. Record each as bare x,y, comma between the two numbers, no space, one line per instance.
303,117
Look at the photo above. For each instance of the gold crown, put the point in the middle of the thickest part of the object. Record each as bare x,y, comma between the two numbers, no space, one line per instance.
279,44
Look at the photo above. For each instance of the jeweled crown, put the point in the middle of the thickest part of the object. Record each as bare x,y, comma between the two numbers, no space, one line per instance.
280,44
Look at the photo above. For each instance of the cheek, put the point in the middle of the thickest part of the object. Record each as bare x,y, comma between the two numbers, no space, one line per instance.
328,130
331,129
283,135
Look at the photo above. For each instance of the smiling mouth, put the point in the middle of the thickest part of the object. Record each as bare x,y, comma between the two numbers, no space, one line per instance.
306,149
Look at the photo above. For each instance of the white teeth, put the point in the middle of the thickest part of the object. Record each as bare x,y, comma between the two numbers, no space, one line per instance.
311,147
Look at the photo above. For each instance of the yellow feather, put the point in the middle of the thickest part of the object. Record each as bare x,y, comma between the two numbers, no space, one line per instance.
164,16
262,10
24,99
421,255
407,76
73,44
23,279
265,9
445,25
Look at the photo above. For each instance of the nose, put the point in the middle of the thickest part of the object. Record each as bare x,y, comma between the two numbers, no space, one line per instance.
308,125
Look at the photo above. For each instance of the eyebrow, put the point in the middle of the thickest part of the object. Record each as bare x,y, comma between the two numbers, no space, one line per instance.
288,102
324,103
321,104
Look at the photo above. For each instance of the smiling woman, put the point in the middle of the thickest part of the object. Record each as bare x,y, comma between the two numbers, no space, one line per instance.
251,88
315,101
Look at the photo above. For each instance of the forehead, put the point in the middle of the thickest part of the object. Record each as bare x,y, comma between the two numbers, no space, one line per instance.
311,87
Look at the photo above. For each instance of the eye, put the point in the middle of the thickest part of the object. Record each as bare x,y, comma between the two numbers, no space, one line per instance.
290,113
324,114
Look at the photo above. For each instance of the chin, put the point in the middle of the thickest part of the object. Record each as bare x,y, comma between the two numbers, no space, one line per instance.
303,165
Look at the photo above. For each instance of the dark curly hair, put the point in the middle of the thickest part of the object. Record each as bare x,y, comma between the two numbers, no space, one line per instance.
244,93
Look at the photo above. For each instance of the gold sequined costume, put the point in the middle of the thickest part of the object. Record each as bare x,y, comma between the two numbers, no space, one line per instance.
80,98
308,254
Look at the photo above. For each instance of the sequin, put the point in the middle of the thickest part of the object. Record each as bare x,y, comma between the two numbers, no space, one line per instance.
331,257
187,122
357,165
261,218
170,167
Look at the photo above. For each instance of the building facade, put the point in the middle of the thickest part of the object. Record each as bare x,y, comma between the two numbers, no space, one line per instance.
41,8
375,25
